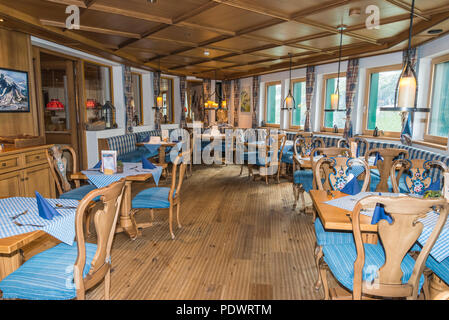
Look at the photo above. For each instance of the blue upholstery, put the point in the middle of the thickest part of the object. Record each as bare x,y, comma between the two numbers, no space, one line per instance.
152,198
287,157
341,258
47,275
440,269
78,193
324,238
126,148
304,177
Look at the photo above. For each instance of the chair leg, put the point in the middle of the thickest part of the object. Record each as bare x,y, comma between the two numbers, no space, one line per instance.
152,216
107,284
295,190
241,169
323,273
303,200
177,215
170,222
318,255
266,179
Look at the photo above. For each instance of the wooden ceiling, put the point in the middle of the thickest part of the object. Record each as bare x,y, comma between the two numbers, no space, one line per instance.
243,37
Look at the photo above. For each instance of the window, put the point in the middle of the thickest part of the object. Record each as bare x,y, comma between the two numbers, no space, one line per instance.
298,117
382,84
97,89
337,117
137,97
273,104
438,118
167,100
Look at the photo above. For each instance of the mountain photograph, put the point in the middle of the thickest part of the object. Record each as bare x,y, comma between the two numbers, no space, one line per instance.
14,91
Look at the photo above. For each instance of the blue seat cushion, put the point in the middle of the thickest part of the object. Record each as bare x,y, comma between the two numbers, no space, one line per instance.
341,258
304,177
441,269
287,157
78,193
324,237
375,179
47,275
152,198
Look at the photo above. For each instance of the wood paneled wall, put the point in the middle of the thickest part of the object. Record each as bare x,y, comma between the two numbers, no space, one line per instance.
16,53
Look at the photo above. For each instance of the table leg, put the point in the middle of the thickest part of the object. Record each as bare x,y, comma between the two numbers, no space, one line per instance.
9,263
127,220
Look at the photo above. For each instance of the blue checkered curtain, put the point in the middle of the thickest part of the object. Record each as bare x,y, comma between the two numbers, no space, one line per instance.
352,79
157,90
236,102
182,89
227,95
310,88
407,117
256,96
206,94
128,92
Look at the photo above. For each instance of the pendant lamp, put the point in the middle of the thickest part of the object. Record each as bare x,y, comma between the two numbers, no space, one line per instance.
289,102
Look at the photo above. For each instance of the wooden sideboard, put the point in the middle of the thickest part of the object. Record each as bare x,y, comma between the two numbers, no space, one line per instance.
24,171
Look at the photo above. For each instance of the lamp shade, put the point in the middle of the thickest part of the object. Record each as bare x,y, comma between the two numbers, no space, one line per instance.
407,92
334,101
54,105
91,104
159,101
289,103
224,104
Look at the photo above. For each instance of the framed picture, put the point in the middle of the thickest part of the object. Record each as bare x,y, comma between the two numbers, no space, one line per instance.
14,91
245,100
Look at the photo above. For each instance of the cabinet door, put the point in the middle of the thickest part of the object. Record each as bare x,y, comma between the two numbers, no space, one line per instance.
11,184
39,179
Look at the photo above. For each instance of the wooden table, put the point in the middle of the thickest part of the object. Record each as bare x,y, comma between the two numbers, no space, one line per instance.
338,219
10,251
127,222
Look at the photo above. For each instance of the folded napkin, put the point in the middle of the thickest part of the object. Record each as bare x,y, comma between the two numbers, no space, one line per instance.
379,214
147,164
378,157
46,210
98,165
352,187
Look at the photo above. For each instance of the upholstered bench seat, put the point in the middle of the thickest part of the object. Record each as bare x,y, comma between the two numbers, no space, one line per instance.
341,258
78,193
47,275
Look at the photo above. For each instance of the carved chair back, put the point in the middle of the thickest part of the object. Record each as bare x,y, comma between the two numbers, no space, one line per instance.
59,167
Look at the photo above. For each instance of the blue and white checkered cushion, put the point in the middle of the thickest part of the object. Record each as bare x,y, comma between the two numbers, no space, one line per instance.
341,258
152,198
324,237
123,144
47,275
440,269
304,177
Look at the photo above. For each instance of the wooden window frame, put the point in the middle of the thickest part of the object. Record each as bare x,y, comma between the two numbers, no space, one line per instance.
369,72
142,120
172,107
269,84
427,136
290,114
323,102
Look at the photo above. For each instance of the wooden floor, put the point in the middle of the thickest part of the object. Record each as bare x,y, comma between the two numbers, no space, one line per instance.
240,240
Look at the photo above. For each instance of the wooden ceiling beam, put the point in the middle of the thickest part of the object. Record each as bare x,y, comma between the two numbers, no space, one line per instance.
408,7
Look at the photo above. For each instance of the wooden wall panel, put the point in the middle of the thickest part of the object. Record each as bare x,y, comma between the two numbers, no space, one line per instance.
16,53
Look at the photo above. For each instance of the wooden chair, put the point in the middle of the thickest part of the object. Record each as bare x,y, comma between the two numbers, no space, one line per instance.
442,296
346,143
272,152
363,268
303,146
384,165
163,197
324,171
66,272
417,179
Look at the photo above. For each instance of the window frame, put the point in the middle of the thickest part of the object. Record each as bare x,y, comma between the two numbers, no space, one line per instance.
171,120
427,136
293,82
323,102
268,84
142,120
369,72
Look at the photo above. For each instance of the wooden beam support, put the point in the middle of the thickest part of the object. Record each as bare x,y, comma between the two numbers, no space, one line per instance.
408,7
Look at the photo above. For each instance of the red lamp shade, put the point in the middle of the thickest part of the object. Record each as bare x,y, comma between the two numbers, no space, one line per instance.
91,104
55,105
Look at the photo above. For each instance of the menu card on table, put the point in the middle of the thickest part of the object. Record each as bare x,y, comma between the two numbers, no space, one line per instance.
165,135
108,161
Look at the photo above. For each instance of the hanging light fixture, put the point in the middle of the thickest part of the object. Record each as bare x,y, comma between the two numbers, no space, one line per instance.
335,97
407,86
289,102
210,103
159,99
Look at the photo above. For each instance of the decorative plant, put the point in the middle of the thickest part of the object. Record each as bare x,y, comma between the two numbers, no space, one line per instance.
432,194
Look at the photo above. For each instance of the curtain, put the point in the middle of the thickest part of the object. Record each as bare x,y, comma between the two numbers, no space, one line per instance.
227,96
206,94
236,102
183,89
407,117
156,90
310,88
128,93
256,87
352,79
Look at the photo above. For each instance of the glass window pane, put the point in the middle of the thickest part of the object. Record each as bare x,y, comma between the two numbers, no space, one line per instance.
274,104
335,118
137,96
382,91
439,116
167,93
299,114
97,86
